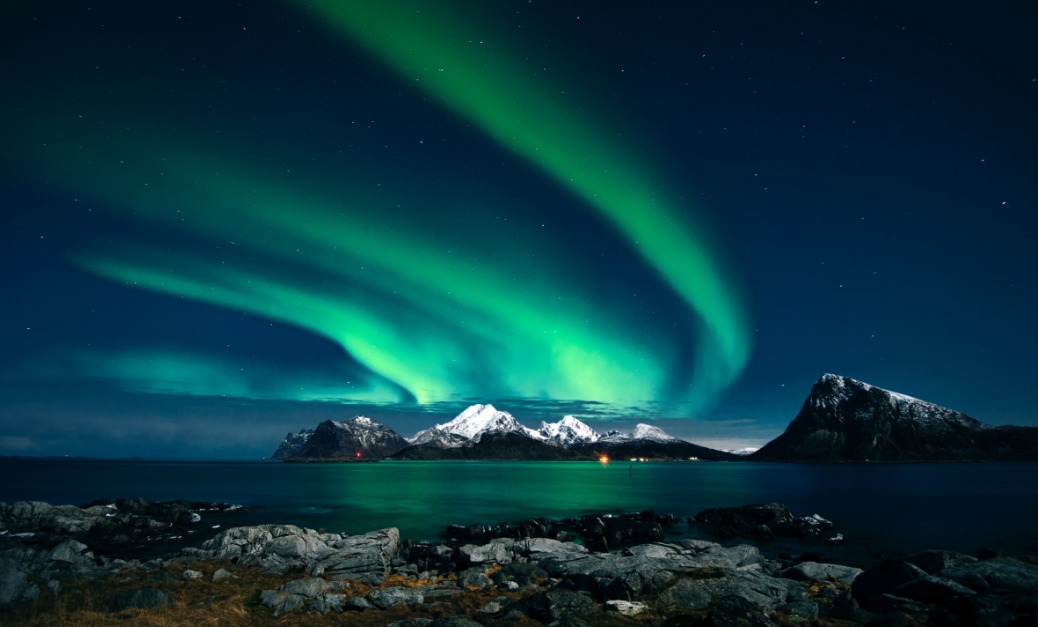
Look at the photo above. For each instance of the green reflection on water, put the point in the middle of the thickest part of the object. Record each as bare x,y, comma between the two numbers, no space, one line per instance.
415,495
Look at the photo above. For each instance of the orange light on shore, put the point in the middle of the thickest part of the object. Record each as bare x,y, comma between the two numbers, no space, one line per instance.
604,459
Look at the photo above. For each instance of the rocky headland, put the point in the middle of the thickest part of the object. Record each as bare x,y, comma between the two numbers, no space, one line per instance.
590,570
847,420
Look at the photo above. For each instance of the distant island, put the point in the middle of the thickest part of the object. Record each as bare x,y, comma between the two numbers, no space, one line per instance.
842,419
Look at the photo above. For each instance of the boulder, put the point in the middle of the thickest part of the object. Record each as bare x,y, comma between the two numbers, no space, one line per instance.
283,548
760,590
933,562
763,522
15,584
813,571
366,558
536,548
328,603
560,606
883,579
282,602
625,608
999,575
931,589
69,550
385,598
736,611
474,579
498,551
309,587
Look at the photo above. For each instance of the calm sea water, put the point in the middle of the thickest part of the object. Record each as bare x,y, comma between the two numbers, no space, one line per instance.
883,509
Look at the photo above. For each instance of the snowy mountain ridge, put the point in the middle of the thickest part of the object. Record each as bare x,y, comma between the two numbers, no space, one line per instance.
567,432
471,425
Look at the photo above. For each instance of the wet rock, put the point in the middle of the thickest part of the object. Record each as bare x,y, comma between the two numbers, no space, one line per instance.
191,574
762,522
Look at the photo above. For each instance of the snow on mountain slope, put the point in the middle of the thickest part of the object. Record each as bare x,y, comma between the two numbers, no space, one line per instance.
643,431
567,432
470,425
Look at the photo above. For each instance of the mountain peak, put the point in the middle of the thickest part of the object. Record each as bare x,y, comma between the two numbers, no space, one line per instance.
567,432
643,431
844,419
357,438
476,420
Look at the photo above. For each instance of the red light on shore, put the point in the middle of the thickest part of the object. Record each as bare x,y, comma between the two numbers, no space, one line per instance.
604,459
358,454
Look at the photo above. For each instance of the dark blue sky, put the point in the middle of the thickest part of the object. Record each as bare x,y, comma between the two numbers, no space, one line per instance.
223,223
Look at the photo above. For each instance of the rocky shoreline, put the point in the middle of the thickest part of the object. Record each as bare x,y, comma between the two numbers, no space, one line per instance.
588,570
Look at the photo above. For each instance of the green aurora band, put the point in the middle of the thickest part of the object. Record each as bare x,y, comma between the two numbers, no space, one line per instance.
430,48
214,222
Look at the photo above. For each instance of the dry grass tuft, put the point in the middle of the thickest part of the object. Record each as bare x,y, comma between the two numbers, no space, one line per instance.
232,602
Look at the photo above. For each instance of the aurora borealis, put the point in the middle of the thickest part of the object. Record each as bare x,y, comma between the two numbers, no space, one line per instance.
220,217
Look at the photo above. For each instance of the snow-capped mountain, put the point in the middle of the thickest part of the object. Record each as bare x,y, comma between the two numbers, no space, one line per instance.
847,420
470,425
567,432
641,431
483,432
293,443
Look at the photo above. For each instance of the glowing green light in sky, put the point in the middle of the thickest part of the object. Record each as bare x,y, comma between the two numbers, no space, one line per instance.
433,311
431,49
434,325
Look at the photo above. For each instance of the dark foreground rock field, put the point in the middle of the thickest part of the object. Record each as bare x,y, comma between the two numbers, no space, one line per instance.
67,564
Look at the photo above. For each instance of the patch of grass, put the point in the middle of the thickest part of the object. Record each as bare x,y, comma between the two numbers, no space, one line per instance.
232,602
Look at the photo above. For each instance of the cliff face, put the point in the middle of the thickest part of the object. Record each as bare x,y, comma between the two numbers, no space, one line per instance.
293,444
847,420
359,438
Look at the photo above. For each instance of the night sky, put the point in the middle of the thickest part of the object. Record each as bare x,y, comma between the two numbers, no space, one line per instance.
225,222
